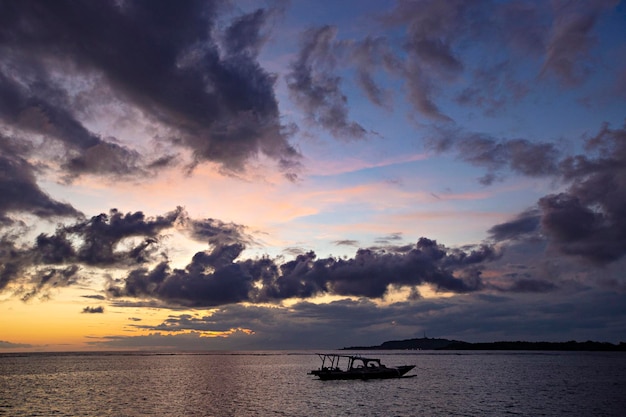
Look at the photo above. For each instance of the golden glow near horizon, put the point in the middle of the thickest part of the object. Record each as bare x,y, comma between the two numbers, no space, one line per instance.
56,322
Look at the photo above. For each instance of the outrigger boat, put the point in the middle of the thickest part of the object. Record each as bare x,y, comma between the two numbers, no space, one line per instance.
358,367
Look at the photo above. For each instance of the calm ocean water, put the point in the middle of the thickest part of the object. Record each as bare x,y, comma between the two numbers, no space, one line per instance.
277,384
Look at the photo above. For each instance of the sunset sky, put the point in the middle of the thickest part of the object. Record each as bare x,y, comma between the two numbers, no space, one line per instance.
310,174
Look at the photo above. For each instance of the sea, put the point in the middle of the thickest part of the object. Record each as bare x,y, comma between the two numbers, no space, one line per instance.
275,383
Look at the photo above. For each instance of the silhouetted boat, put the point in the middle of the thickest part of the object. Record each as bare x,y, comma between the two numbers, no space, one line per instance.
357,367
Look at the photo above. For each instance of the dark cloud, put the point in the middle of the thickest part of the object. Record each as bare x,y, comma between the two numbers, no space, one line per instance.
531,285
54,260
187,341
523,26
494,87
10,345
316,89
163,59
188,322
19,191
216,277
95,297
339,323
369,55
243,36
392,237
518,155
432,29
44,109
210,279
345,242
102,159
93,310
586,219
526,224
10,267
568,49
439,38
100,236
535,316
534,159
22,266
216,232
203,85
294,251
47,278
370,272
495,82
539,316
577,229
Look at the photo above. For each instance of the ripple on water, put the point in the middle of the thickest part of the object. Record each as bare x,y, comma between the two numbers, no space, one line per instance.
468,384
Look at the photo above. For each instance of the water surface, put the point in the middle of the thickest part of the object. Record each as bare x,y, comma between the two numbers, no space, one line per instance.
277,384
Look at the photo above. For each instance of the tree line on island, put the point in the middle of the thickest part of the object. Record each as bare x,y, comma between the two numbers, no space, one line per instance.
426,343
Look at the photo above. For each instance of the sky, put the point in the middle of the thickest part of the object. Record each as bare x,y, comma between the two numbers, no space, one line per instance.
217,175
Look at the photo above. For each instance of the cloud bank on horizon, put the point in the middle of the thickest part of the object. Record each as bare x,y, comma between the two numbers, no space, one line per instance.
95,95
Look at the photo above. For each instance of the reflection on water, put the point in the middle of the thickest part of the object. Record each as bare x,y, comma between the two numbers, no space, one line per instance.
276,384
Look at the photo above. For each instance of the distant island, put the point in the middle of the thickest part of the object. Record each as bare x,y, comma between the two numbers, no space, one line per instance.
426,343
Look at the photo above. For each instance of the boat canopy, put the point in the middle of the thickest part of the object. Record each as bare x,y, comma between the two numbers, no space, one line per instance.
331,361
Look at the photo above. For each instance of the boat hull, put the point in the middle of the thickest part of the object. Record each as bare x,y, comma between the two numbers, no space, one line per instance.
362,373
